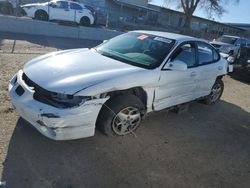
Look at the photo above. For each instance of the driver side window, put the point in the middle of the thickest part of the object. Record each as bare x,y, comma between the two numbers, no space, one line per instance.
186,54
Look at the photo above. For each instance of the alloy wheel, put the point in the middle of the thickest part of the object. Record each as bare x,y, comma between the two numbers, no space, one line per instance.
216,92
126,121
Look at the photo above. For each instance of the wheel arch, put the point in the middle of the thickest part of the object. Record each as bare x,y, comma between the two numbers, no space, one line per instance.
220,77
84,17
137,91
40,11
117,98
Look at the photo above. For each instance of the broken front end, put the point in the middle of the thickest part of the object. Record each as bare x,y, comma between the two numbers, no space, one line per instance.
56,115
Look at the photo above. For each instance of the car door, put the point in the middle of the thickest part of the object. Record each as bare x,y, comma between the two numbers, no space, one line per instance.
75,10
208,69
177,86
59,10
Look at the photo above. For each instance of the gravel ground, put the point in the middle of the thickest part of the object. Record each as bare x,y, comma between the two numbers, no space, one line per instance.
207,146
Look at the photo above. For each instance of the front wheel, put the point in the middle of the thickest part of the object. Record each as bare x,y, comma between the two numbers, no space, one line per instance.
85,21
41,15
120,115
216,92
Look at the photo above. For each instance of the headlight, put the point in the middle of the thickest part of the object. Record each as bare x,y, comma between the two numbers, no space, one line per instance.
69,101
59,100
230,59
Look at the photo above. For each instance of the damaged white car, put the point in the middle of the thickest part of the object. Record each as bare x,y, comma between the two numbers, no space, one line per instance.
67,94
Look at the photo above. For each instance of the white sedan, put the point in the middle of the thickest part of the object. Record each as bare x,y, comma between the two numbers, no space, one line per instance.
60,10
67,94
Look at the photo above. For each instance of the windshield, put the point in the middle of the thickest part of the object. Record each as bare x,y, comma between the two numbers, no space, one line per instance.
226,39
143,50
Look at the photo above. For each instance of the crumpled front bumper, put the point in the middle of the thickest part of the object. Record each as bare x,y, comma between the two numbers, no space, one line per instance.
52,122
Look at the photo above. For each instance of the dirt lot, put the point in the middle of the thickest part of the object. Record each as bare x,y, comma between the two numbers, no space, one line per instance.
208,146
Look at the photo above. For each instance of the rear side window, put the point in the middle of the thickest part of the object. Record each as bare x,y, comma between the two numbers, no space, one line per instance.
60,4
186,54
75,6
205,53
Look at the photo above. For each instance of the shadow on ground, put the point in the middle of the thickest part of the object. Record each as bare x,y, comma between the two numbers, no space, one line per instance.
55,42
208,146
241,74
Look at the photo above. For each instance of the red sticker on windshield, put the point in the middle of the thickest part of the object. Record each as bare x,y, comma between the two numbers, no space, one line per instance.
142,37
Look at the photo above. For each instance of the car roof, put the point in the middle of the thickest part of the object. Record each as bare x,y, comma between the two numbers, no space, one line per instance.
68,1
174,36
232,36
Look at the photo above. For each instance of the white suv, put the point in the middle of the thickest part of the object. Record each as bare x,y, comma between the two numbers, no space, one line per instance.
60,10
66,94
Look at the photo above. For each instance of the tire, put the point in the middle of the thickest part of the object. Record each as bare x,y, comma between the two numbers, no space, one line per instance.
41,15
216,92
85,21
121,115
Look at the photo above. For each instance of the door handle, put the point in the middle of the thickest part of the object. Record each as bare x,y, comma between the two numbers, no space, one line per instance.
193,74
66,9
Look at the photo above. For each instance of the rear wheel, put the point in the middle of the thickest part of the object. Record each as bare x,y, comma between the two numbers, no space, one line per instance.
216,92
120,115
41,15
85,21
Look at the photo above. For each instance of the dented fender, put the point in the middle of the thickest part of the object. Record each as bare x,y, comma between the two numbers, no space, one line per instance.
145,79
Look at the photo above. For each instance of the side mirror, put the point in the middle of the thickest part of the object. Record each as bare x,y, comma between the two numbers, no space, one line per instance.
176,65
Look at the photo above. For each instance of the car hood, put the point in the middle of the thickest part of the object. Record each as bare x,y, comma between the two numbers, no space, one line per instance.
71,71
33,4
